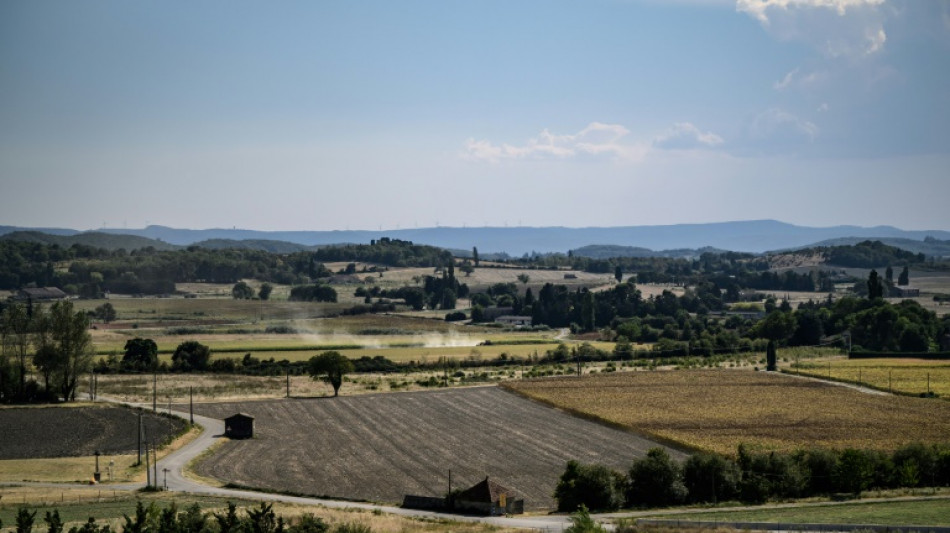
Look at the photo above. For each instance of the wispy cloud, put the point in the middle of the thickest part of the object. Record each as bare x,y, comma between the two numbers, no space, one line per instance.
776,123
837,28
686,136
597,139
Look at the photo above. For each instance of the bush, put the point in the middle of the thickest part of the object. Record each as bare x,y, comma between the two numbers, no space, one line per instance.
655,481
710,478
592,486
854,472
455,316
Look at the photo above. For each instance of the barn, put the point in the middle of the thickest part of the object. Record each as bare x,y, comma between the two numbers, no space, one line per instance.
239,426
488,497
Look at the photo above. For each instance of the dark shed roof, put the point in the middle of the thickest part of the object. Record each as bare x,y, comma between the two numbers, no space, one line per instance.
486,491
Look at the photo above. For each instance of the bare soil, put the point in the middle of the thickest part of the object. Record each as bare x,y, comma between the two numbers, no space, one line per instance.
381,447
31,433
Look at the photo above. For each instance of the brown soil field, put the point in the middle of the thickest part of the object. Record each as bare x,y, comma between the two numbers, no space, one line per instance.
716,410
381,447
30,433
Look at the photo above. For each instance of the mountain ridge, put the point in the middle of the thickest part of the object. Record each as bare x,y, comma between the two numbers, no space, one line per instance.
753,236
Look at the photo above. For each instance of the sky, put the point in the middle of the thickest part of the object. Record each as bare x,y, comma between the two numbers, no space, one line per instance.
303,115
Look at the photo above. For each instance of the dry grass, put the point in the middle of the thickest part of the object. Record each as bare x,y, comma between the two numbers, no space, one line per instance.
908,376
70,469
716,410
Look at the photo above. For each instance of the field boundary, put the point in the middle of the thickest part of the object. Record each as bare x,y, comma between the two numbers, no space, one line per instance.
670,443
821,377
789,526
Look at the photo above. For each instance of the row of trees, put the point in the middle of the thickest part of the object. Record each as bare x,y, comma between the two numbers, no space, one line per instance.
656,480
55,342
192,519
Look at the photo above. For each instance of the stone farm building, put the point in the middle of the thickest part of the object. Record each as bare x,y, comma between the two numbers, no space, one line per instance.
488,497
41,293
514,320
906,291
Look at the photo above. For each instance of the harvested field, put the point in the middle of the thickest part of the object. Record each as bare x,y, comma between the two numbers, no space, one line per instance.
381,447
716,410
30,433
907,376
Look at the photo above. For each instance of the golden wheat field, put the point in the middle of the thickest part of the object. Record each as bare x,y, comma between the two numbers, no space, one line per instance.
908,376
716,410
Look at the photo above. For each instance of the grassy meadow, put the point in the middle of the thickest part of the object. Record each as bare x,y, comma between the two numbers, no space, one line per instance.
906,376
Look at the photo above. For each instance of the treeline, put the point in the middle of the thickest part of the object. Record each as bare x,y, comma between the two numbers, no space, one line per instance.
752,477
392,252
87,271
869,254
192,519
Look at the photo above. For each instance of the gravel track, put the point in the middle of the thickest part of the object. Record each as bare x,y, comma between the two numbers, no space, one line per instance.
381,447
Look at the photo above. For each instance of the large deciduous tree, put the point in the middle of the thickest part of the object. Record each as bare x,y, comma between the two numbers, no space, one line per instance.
331,367
140,354
64,347
190,356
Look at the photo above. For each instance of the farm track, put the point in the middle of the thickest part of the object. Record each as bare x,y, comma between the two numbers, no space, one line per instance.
381,447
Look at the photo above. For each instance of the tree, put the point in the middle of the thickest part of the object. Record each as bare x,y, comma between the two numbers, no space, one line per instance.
331,367
242,291
64,347
875,287
618,273
264,292
904,277
591,486
772,365
105,312
581,522
710,478
190,356
140,354
524,278
16,332
475,255
889,274
655,480
467,268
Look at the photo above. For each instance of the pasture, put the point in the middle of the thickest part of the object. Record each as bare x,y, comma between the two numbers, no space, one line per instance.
381,447
906,376
716,410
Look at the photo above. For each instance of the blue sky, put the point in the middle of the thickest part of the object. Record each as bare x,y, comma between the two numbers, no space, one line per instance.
366,115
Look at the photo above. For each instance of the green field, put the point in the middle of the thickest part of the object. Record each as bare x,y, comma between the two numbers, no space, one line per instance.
931,512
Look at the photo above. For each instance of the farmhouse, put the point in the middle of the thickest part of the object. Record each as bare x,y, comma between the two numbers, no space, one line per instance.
41,293
239,426
493,312
514,320
903,292
489,498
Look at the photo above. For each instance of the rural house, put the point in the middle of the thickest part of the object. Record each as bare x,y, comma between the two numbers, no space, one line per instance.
514,320
41,293
903,292
488,497
239,426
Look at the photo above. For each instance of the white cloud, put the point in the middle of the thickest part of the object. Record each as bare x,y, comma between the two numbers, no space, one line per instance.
777,124
597,139
837,28
686,136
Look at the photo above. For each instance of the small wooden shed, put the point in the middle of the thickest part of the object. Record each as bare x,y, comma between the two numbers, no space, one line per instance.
239,426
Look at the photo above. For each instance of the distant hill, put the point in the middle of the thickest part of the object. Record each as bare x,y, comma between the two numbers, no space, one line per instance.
930,247
606,251
95,239
755,236
279,247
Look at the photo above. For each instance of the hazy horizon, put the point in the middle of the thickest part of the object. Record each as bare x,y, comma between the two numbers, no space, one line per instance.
373,114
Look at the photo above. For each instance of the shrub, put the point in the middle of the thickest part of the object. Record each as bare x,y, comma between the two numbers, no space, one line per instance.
655,480
710,478
854,472
592,486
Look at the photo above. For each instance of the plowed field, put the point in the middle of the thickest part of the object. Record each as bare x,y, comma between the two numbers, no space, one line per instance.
381,447
32,433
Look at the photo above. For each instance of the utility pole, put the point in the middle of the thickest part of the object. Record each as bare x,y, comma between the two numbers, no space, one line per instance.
154,392
191,404
288,381
155,463
148,469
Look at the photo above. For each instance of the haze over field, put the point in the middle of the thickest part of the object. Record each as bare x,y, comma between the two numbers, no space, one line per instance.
386,115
